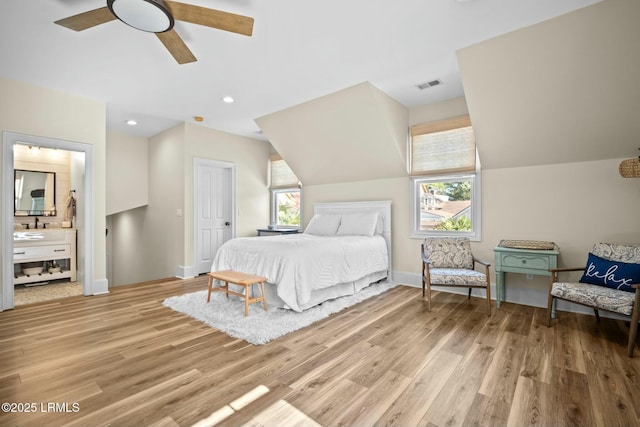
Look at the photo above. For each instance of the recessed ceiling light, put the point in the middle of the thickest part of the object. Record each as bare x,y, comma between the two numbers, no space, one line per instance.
198,118
228,99
132,122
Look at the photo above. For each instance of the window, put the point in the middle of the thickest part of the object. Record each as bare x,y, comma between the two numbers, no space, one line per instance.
285,194
286,207
445,179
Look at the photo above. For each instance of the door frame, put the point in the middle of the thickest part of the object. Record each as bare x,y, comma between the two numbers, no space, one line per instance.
197,164
86,257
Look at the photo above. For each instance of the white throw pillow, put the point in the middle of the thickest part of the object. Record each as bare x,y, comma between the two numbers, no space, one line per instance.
380,225
323,225
358,224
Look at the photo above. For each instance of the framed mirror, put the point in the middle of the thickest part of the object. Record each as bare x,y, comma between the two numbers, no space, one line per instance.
34,193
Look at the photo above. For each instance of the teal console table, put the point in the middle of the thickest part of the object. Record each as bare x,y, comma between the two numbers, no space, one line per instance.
524,261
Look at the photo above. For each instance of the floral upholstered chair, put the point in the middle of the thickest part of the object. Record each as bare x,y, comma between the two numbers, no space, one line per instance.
609,282
448,261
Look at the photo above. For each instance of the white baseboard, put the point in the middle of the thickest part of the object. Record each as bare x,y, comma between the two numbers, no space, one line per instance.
185,272
515,294
99,287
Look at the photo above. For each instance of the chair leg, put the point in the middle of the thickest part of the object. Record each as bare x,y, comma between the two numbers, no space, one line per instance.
595,310
429,296
424,272
469,297
550,300
633,331
488,300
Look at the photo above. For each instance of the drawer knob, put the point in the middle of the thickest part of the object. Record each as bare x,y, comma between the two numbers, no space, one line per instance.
524,261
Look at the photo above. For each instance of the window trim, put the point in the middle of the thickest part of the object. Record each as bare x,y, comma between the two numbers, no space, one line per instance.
274,203
476,212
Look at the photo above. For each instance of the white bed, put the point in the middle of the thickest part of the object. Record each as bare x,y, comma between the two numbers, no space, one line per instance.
303,270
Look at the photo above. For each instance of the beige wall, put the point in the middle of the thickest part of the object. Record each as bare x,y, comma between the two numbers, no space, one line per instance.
127,172
154,241
573,204
41,112
148,242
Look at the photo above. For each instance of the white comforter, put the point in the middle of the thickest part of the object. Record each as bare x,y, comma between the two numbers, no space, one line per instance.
301,263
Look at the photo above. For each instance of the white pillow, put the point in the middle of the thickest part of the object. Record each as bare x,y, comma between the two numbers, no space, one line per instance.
363,224
323,225
380,225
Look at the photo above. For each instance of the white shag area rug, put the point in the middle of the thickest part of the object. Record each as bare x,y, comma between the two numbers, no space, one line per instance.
261,326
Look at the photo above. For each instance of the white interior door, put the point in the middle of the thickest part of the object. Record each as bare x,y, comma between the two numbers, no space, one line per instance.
213,208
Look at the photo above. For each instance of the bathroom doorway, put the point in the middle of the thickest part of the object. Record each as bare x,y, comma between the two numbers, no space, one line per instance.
74,174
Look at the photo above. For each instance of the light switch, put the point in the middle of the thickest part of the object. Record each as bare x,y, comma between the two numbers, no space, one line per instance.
179,212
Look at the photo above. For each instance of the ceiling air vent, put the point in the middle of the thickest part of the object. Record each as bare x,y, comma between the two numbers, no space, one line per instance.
426,85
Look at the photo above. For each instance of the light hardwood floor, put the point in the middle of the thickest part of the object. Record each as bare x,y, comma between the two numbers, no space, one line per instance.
125,359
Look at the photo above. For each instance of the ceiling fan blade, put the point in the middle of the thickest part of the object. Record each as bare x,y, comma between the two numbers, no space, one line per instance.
176,46
89,19
211,18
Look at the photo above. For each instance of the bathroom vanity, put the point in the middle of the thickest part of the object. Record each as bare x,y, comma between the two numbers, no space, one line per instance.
37,248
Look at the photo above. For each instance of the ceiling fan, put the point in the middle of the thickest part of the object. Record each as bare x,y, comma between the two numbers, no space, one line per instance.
159,16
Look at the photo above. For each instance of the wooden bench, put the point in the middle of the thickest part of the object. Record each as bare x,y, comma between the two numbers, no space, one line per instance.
240,279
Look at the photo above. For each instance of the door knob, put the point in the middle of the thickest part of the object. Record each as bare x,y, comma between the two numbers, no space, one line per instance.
227,223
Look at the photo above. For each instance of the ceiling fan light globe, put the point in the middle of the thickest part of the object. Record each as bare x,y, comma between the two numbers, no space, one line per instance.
145,15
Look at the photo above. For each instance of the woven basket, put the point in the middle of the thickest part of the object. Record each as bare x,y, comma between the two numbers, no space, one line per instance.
630,168
527,244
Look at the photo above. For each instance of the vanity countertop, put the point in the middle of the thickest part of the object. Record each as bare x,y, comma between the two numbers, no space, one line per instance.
42,236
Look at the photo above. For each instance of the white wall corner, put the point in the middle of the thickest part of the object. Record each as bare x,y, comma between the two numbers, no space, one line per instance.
185,272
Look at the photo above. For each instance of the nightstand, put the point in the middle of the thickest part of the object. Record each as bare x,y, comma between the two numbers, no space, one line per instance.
276,231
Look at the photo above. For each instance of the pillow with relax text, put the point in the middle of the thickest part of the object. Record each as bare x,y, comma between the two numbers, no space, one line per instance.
613,274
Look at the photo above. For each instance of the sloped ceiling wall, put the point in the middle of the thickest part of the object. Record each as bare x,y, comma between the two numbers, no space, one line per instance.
565,90
356,134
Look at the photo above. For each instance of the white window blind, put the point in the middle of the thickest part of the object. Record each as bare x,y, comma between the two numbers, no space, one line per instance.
443,147
281,174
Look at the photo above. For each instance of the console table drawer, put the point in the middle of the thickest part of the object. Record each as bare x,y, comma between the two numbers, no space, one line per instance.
36,253
523,261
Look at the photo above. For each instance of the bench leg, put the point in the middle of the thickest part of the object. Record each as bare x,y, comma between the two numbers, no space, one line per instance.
246,299
210,287
264,296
